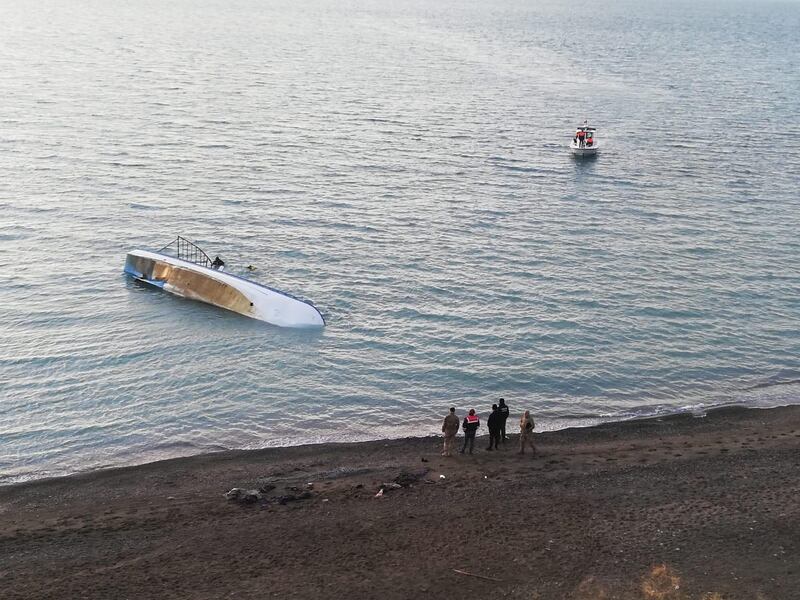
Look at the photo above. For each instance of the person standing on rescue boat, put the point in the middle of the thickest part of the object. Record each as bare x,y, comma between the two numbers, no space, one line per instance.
503,418
449,429
495,427
470,426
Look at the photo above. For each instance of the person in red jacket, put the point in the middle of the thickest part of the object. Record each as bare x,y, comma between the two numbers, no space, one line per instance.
470,426
581,135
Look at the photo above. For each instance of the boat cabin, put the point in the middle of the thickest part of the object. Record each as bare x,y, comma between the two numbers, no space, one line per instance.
584,136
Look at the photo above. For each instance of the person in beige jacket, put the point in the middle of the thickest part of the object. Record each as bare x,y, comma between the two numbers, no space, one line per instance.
526,426
449,429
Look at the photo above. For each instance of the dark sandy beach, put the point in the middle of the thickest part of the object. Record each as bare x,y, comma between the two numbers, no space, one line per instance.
674,508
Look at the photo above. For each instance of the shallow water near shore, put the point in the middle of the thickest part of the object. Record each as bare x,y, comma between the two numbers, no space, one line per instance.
405,167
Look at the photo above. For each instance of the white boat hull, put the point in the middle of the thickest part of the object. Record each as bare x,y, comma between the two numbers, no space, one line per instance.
583,151
189,280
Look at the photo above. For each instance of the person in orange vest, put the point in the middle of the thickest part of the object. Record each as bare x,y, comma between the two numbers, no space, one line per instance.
589,140
470,426
449,429
581,135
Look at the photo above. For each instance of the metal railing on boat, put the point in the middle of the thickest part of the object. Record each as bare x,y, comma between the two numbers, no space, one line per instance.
189,251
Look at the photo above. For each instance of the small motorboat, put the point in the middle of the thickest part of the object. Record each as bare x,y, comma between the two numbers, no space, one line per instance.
584,142
182,268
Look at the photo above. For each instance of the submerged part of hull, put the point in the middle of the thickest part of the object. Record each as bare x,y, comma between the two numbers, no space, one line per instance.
189,280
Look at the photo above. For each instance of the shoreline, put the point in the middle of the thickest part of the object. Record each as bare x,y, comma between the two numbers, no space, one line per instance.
602,512
688,413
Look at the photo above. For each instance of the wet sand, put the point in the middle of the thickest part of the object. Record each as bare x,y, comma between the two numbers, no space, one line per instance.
675,508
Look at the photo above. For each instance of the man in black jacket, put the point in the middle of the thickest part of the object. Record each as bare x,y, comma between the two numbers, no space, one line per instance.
495,424
504,417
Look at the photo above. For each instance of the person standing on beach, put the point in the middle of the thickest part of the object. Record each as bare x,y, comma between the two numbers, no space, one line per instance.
526,426
449,429
470,426
503,418
495,424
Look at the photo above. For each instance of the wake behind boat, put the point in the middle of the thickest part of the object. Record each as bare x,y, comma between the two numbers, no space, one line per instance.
182,268
584,143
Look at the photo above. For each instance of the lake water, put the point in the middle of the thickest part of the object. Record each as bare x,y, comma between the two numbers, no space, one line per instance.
404,165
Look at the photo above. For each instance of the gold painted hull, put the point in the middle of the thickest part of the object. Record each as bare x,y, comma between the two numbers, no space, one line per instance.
225,290
190,284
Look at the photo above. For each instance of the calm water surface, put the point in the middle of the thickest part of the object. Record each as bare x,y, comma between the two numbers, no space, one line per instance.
403,165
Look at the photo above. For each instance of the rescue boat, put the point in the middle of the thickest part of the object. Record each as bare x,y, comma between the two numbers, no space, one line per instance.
584,142
184,269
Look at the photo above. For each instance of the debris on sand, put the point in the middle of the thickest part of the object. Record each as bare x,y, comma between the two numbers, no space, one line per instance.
487,578
283,500
243,496
406,478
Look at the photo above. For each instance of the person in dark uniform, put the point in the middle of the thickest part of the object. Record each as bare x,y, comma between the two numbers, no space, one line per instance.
470,426
495,424
503,418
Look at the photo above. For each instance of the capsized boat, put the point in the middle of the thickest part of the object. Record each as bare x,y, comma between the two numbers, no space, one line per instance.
584,143
182,268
